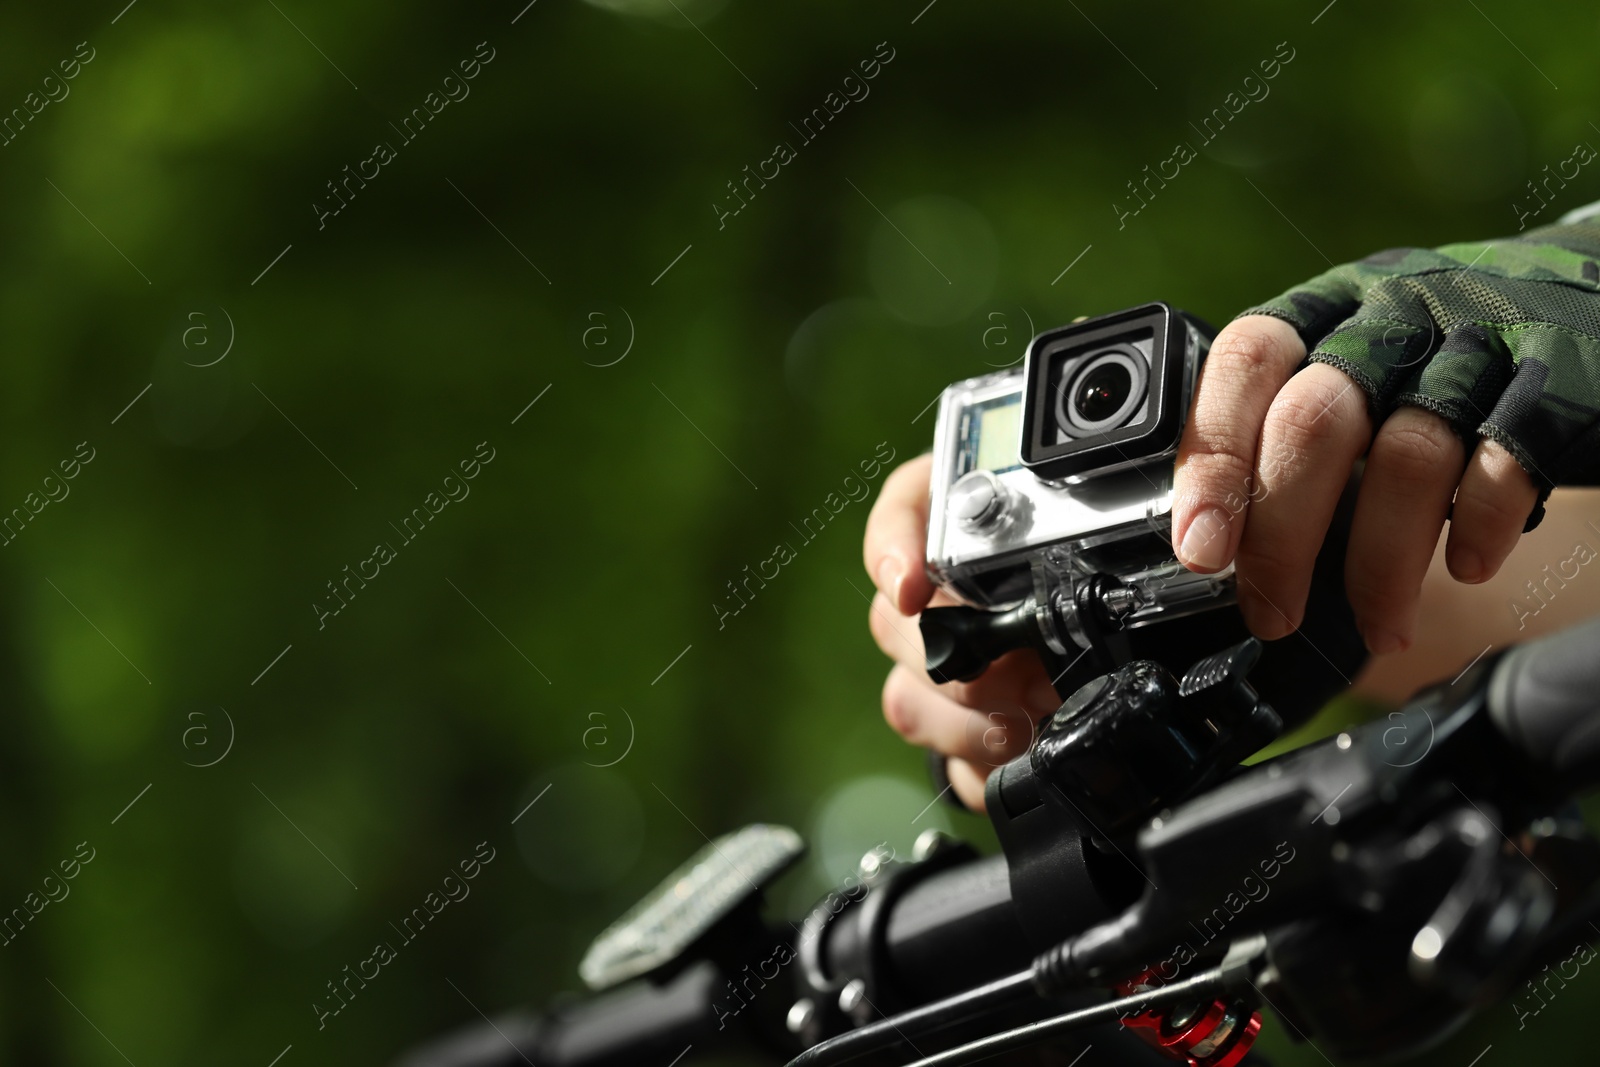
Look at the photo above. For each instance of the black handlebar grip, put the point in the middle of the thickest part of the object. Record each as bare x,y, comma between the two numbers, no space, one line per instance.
961,642
1545,698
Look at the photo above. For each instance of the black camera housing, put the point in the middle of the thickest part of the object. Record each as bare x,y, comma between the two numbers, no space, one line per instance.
1159,349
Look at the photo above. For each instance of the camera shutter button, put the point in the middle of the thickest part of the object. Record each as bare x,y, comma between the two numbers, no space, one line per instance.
978,500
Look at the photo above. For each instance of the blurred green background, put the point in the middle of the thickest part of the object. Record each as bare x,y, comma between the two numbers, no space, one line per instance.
516,249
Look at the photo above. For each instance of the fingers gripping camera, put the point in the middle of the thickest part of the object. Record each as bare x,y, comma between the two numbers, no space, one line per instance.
1052,491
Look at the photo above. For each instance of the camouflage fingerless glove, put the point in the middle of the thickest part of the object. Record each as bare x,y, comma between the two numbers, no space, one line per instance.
1500,338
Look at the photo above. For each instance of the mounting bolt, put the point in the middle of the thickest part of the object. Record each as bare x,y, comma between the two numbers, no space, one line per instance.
851,996
929,843
801,1012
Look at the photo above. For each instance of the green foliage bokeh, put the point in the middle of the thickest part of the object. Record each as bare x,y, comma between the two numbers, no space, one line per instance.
912,242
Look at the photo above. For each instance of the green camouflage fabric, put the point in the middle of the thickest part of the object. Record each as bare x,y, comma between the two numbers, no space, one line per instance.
1501,338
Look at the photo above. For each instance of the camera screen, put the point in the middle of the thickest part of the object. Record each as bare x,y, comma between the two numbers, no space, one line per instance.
990,432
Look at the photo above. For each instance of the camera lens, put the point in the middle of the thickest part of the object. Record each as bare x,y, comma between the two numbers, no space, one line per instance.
1102,392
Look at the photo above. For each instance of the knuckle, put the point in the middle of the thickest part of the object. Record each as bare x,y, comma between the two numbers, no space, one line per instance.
1247,349
1244,369
1415,452
1312,414
1497,464
1215,425
1218,439
1211,472
1278,460
1489,509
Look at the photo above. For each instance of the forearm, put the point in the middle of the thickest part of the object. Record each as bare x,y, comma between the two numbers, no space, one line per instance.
1551,581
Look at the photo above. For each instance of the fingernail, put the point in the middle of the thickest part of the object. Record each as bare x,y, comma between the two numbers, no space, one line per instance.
891,575
1205,542
1382,642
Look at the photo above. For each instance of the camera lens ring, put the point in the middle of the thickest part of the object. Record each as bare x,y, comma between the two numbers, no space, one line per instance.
1072,421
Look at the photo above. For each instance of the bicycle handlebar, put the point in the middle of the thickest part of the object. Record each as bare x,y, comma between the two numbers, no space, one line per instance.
958,927
1543,696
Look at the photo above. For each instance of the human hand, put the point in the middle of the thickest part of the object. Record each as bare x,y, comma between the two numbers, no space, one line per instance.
979,725
1469,377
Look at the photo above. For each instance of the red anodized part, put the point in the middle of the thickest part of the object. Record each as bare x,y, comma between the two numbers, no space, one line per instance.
1191,1043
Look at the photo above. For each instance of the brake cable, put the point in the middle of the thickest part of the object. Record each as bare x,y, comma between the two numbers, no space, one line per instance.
1207,983
919,1022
